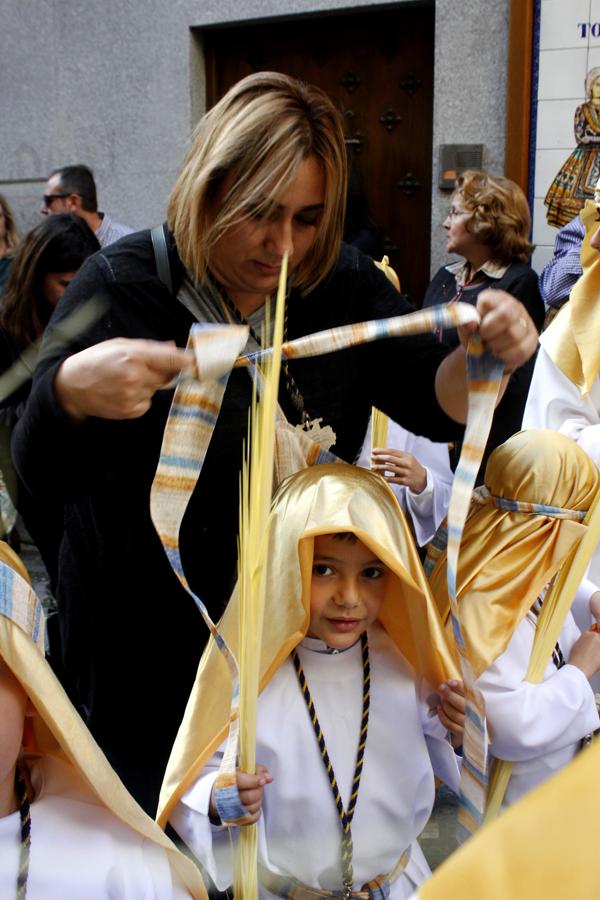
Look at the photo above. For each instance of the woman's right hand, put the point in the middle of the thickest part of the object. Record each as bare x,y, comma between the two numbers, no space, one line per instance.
116,379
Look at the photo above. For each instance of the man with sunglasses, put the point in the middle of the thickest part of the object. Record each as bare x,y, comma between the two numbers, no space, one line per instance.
72,189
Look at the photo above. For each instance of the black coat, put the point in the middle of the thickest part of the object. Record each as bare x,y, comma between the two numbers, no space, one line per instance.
131,636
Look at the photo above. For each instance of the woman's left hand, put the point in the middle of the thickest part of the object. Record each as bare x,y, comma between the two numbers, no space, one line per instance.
506,328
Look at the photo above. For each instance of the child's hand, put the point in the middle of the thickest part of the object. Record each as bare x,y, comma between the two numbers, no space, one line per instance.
595,600
585,653
250,788
399,467
451,710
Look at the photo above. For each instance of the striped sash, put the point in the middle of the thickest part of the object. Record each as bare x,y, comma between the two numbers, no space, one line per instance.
194,412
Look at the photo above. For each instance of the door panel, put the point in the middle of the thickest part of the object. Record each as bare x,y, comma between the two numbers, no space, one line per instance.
378,69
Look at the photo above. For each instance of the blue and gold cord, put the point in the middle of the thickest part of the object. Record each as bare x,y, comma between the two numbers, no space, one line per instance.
25,814
345,816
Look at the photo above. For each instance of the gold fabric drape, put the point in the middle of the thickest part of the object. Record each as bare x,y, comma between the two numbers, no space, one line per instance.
76,765
571,340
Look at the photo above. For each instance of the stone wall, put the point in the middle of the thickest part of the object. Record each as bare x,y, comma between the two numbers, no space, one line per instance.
118,86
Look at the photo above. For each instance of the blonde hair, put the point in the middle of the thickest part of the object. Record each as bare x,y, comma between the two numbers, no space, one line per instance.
260,132
500,214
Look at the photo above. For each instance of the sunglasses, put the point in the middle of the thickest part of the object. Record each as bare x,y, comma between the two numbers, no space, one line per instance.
50,198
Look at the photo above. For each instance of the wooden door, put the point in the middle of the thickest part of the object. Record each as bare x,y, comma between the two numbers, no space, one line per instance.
378,69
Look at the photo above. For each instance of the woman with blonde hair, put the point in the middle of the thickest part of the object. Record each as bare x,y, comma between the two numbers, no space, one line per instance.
265,175
9,239
488,225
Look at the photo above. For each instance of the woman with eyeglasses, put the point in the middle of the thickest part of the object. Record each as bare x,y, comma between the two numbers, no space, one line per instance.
9,240
43,266
488,226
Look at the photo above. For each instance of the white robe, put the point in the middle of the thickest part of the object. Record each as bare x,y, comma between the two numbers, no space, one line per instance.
299,829
538,727
427,509
80,851
554,402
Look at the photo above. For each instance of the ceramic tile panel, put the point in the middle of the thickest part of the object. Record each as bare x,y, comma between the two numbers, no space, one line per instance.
562,74
542,232
593,57
594,23
541,255
564,24
555,124
547,164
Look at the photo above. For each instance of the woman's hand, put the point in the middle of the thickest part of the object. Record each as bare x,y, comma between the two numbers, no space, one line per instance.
116,379
506,328
399,467
250,789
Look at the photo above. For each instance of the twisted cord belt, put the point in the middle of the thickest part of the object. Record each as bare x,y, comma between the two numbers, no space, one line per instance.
345,816
192,418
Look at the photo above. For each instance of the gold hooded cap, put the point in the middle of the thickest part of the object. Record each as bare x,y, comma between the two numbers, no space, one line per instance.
77,766
323,499
507,557
572,340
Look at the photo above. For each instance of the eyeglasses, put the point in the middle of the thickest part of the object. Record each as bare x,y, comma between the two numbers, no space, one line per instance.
50,198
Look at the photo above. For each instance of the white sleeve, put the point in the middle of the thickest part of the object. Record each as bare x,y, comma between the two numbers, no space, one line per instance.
444,761
211,844
554,402
529,720
580,607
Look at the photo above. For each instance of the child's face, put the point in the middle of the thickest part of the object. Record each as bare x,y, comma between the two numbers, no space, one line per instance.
347,589
13,704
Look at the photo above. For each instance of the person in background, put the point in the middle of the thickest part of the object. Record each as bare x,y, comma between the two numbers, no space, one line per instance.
9,240
488,225
559,275
72,189
43,266
418,471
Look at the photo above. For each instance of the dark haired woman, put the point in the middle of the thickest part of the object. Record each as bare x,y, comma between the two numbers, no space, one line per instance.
9,240
488,224
42,268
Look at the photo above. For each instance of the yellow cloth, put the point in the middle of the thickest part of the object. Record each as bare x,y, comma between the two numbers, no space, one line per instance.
543,848
323,499
57,732
506,558
572,340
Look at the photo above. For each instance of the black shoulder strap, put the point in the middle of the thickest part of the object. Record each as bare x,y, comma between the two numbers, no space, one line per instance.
163,269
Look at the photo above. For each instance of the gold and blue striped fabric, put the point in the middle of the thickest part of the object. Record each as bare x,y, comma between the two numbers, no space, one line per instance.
20,604
194,412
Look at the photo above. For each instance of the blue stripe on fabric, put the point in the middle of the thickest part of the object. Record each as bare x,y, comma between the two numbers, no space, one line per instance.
472,810
228,803
477,774
193,412
472,714
536,509
181,462
6,590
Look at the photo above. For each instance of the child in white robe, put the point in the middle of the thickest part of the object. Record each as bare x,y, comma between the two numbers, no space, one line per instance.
68,828
329,588
418,471
539,486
